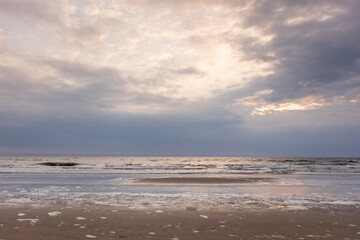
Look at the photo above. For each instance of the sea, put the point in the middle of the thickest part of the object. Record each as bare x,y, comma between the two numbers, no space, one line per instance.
296,183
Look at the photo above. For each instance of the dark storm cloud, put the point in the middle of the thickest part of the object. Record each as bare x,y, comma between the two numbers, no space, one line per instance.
319,55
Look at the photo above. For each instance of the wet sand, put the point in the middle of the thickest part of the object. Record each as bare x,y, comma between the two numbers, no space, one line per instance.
92,222
203,180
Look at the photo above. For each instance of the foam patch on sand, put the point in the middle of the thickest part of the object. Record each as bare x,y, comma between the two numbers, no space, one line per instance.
90,236
32,221
53,214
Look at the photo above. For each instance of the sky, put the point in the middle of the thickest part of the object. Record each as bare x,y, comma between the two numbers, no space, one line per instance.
180,77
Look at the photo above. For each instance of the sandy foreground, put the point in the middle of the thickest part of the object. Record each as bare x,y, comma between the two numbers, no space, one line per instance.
90,222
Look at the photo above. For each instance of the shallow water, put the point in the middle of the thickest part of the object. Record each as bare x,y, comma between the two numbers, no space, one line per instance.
302,183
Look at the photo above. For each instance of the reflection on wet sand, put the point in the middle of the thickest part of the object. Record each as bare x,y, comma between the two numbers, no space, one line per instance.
203,180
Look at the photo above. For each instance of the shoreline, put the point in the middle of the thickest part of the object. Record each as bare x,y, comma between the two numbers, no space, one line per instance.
158,199
90,221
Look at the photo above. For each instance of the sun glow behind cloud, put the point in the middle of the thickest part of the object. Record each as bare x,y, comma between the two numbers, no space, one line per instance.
258,106
143,43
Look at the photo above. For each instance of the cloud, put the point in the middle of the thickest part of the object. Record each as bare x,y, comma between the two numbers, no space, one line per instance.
145,45
297,49
72,87
314,48
188,76
38,11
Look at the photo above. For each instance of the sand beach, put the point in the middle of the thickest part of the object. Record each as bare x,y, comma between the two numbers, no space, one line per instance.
90,222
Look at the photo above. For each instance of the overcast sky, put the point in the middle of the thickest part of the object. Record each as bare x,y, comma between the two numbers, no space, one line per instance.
180,77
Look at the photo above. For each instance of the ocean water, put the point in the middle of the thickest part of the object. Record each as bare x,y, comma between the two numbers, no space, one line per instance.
183,165
298,183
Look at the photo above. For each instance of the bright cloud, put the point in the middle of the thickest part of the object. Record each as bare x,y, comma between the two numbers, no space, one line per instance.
258,106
